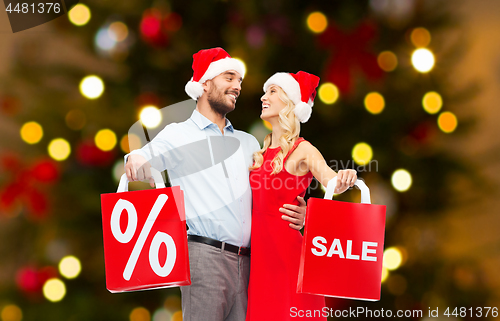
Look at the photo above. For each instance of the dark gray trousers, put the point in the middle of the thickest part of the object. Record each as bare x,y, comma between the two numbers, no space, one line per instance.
219,284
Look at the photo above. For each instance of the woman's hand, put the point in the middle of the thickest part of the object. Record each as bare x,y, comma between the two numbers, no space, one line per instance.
345,179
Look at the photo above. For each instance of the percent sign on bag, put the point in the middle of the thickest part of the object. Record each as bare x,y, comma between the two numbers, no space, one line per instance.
158,239
145,242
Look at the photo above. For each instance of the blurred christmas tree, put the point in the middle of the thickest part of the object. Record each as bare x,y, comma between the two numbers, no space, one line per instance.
384,107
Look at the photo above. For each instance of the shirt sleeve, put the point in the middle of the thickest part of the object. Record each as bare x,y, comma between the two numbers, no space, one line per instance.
160,151
255,144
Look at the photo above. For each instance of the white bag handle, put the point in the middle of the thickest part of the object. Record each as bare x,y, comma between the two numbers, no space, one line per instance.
123,186
365,191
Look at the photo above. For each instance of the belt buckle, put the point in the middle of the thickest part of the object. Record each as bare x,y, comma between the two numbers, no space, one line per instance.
239,250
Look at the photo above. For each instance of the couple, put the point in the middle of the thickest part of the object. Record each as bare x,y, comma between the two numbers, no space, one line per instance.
268,199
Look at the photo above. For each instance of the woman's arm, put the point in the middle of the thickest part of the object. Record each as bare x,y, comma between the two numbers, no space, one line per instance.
323,173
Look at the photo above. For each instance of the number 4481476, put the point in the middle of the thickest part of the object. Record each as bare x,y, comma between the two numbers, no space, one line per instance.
42,8
471,312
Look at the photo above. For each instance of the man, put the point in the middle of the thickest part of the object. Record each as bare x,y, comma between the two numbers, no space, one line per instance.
217,197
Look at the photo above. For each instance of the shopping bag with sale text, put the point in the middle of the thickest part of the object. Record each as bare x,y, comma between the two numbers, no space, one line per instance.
145,241
343,247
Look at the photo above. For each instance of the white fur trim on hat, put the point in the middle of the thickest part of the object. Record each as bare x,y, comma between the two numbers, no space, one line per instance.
289,85
303,111
218,67
195,89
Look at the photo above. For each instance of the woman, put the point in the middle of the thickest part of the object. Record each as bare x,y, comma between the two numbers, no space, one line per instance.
281,173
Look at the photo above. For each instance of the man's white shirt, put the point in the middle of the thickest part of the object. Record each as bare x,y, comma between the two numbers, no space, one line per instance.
212,170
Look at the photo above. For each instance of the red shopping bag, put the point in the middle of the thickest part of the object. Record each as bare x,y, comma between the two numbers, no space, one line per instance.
145,239
343,246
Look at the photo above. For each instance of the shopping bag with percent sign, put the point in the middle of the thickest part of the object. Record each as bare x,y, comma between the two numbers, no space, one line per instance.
145,240
343,247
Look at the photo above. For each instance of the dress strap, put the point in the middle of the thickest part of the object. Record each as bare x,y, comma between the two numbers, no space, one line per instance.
297,142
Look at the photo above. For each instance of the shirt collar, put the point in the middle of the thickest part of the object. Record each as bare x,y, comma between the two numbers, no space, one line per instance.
203,122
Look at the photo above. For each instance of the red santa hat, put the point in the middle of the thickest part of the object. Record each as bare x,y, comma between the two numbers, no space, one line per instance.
207,64
300,88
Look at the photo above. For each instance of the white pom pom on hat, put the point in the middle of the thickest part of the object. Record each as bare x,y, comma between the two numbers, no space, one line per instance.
207,64
303,111
194,89
300,88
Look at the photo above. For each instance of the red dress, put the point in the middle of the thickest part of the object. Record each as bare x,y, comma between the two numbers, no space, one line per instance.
275,247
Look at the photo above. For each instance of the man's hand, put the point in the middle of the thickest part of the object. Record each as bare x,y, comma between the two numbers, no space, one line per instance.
295,214
138,169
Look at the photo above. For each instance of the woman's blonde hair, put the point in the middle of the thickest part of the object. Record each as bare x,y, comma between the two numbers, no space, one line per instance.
291,130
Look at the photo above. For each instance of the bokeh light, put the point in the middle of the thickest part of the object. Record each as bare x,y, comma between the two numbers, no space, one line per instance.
173,303
124,145
267,124
420,37
432,102
172,22
150,116
118,31
387,61
105,139
103,40
328,93
385,274
140,314
362,153
401,180
392,258
317,22
54,290
374,103
177,316
75,119
151,23
130,142
70,267
244,66
258,130
404,254
31,132
447,122
11,312
422,60
162,315
92,87
79,15
118,170
59,149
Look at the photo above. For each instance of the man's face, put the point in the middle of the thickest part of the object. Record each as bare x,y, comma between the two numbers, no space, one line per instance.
223,91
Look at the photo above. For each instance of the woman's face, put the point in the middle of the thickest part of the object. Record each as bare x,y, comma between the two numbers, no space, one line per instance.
271,103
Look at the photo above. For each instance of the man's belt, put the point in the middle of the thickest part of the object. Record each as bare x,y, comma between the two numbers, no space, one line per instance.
245,251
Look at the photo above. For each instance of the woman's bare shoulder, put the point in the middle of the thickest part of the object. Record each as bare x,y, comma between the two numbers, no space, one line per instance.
307,148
